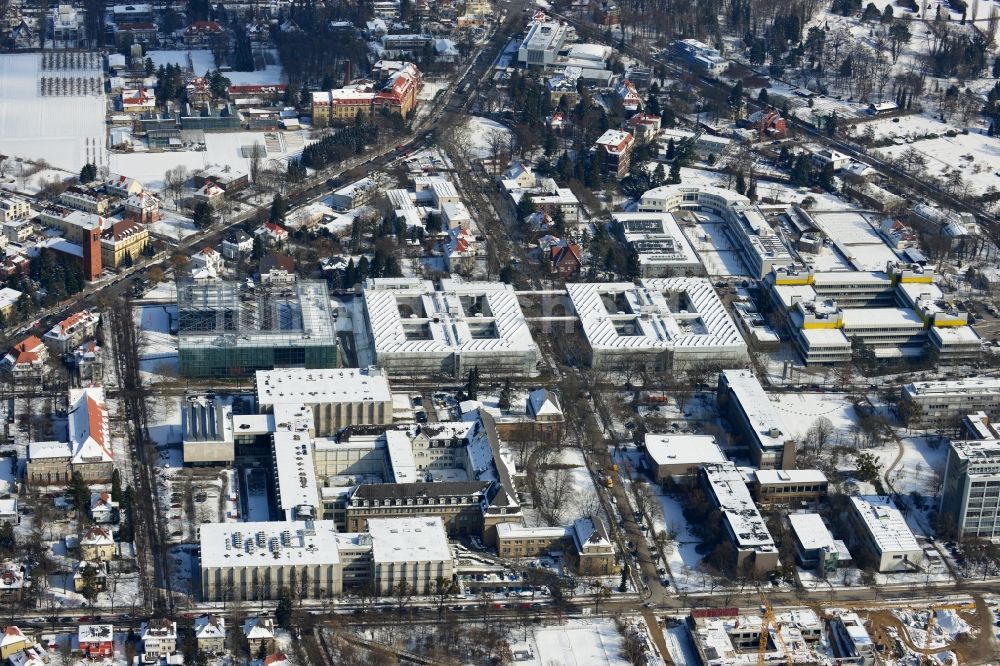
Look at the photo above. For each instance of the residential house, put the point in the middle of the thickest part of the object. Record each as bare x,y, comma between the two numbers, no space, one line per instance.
159,640
272,234
768,123
461,250
85,199
88,363
615,149
136,101
206,264
629,96
13,208
643,126
142,208
277,268
12,581
225,177
72,331
565,259
138,32
210,633
236,244
67,27
203,34
97,571
103,509
210,193
122,186
14,640
259,631
8,299
26,360
97,641
98,544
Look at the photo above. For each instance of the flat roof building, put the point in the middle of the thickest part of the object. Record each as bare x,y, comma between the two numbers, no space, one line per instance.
815,547
207,427
658,244
666,322
338,397
751,412
412,328
943,403
255,561
542,43
229,329
745,526
680,455
785,486
882,529
970,496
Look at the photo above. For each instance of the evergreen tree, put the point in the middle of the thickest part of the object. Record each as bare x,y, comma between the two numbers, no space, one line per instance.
202,215
671,149
675,172
505,396
472,384
279,208
283,612
996,68
79,494
127,260
88,173
8,542
762,97
258,248
116,486
741,183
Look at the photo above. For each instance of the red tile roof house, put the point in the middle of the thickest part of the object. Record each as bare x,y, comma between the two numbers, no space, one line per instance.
97,641
26,359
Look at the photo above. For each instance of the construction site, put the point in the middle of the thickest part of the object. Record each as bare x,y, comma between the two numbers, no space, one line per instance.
960,632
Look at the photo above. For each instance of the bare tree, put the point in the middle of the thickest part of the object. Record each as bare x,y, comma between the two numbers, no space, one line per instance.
820,432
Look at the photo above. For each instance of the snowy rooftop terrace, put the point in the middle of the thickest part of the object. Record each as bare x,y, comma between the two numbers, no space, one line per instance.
268,544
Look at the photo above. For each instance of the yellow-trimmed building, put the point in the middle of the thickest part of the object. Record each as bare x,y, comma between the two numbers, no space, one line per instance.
121,238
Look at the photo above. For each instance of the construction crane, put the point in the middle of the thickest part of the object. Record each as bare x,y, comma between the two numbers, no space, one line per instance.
766,622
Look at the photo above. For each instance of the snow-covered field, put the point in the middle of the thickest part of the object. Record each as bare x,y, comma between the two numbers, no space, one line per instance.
198,60
578,643
65,131
974,155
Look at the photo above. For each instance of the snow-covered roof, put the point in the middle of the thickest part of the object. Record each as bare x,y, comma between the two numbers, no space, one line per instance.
768,426
443,314
704,323
811,531
408,540
240,545
778,476
542,402
210,626
88,426
318,386
95,633
737,506
885,524
683,449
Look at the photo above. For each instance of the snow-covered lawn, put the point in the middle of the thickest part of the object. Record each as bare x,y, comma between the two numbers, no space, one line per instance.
709,240
974,155
800,411
199,60
158,347
480,133
683,560
173,226
66,131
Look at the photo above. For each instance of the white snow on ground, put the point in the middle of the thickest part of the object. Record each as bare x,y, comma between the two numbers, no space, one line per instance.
65,131
200,60
682,653
430,89
221,148
921,468
577,643
717,253
270,74
158,348
947,628
800,411
974,155
480,132
682,558
173,226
